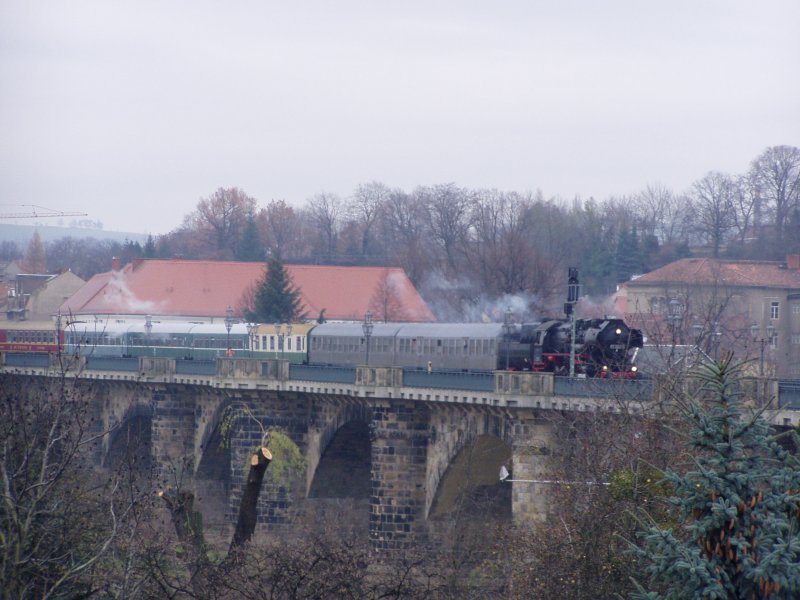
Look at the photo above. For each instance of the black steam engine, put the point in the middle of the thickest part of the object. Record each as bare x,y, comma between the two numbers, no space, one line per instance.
603,347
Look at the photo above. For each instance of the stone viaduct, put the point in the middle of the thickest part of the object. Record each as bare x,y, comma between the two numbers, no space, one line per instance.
373,442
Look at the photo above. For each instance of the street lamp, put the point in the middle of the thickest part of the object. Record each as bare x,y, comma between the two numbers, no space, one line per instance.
754,330
717,334
229,323
367,327
279,333
507,325
698,334
674,317
251,334
58,332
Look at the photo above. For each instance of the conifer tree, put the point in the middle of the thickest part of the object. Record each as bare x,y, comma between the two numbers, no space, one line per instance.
276,300
628,256
737,506
150,247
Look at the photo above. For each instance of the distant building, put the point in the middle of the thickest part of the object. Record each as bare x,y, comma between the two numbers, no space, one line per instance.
200,290
37,297
750,307
9,271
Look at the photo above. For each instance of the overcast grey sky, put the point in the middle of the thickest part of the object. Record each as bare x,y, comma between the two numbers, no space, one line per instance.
133,111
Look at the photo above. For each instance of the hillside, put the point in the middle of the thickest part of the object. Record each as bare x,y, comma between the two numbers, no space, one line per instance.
21,234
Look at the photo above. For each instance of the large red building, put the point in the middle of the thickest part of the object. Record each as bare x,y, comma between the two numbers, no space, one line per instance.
203,290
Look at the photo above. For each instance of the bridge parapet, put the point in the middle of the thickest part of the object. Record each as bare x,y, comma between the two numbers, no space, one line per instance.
523,382
252,368
379,376
156,367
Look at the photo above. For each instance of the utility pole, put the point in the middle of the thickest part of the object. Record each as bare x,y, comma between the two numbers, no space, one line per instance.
573,291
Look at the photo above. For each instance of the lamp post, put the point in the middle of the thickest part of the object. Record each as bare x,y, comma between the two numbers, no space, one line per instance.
717,334
698,334
507,330
367,327
148,329
279,333
754,330
58,332
228,323
674,317
251,334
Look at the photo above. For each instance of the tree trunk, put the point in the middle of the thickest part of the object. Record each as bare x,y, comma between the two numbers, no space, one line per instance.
248,508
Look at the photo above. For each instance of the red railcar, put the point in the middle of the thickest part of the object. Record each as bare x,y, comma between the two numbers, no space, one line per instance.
30,336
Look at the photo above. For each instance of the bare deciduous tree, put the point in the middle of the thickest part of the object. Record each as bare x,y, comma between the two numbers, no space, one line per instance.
220,218
324,213
714,208
57,521
775,175
364,209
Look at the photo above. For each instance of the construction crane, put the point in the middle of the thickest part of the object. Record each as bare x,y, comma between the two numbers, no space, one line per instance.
39,212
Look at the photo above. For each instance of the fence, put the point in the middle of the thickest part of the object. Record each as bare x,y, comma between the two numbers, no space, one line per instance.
624,389
322,373
456,380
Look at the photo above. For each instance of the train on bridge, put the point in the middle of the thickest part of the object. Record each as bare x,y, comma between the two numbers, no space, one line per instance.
603,347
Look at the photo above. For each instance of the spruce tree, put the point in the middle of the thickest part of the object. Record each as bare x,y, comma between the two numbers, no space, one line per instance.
737,506
628,257
276,298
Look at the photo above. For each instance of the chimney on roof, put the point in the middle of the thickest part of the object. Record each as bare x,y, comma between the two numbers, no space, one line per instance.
115,263
793,261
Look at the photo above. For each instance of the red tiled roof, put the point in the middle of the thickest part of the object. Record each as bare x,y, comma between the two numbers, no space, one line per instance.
206,288
708,271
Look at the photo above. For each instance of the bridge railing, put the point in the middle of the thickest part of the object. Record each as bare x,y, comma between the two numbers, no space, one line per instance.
196,367
624,389
457,380
761,390
322,373
26,359
112,363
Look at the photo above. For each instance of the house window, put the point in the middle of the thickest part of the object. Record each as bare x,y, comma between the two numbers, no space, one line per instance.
773,342
796,338
774,310
796,308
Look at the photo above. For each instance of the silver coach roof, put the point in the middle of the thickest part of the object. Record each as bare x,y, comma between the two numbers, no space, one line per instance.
412,330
